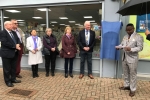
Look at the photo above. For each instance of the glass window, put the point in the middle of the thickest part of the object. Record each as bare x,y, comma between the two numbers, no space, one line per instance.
75,16
28,19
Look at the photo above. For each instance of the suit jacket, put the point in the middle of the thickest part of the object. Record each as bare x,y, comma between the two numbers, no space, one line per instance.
135,43
8,47
82,40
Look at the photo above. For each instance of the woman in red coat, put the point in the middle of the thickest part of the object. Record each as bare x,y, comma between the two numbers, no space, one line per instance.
70,50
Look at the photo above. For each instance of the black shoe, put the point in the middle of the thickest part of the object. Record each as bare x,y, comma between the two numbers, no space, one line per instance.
33,76
19,76
16,81
66,75
71,75
36,75
9,84
47,74
53,74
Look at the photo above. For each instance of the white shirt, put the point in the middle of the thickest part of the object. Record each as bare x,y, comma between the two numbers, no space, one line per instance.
18,34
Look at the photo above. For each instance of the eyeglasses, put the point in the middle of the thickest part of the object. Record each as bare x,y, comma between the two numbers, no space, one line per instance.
15,23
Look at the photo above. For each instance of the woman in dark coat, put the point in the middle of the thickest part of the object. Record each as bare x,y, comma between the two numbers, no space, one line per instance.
70,50
49,50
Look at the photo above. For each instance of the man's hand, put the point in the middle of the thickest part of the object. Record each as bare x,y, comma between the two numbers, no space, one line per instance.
86,48
147,32
36,49
18,47
127,48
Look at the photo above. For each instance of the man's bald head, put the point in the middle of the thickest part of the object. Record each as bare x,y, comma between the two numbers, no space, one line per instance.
8,25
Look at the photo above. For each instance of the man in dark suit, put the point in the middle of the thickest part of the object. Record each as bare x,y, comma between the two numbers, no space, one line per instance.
9,50
86,42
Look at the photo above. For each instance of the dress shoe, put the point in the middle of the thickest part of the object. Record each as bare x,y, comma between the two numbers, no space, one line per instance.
36,75
19,76
66,75
124,88
9,84
81,76
90,76
52,74
71,75
16,81
132,93
47,74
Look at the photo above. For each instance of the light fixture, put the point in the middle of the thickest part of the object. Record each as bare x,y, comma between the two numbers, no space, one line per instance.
43,9
6,17
71,21
77,24
37,17
67,25
21,25
88,17
53,22
61,24
42,24
53,25
63,18
19,20
13,11
92,21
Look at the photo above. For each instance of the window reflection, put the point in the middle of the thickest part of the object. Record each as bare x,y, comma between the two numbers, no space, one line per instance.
59,18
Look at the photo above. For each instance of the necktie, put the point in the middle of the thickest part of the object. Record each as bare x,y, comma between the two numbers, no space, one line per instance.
12,36
87,38
35,44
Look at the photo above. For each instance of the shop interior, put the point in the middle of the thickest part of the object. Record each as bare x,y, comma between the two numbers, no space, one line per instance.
59,17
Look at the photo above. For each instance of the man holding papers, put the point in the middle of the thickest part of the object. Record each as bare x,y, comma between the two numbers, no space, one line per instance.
131,44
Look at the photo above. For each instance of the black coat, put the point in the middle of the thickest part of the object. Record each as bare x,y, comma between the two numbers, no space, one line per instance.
82,41
8,47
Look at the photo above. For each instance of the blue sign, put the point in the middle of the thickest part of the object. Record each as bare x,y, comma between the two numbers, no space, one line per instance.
142,23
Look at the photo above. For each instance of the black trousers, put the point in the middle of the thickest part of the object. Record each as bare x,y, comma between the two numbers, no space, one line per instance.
50,59
34,69
85,55
70,61
9,68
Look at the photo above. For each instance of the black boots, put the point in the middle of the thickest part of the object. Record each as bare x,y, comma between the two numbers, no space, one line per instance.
35,71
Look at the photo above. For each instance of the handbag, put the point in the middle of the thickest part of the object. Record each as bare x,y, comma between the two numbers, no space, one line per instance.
57,51
61,53
46,51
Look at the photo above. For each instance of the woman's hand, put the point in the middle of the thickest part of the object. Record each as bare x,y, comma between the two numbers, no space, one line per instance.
33,51
68,53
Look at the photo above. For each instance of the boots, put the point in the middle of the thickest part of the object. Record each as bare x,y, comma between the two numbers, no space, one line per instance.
36,70
33,71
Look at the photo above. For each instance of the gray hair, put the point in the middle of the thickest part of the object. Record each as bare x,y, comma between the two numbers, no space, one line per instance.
6,22
87,22
48,29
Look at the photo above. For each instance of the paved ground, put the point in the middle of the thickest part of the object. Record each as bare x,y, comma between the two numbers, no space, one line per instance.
60,88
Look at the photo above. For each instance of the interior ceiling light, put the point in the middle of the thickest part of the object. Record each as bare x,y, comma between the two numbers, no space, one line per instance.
37,17
88,17
63,18
71,21
43,9
13,11
53,22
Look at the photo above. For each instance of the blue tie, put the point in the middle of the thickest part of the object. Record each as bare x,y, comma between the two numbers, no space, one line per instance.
12,36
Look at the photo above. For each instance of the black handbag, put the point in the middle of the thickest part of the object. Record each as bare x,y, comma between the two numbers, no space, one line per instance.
57,51
46,51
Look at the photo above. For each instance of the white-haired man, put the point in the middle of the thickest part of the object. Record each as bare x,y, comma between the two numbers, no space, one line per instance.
86,42
9,53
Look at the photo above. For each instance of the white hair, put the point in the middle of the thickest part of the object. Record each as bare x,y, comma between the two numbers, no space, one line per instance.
6,22
86,22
